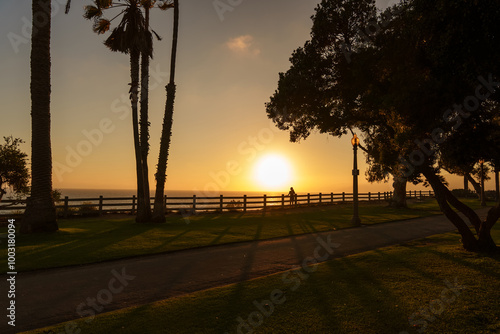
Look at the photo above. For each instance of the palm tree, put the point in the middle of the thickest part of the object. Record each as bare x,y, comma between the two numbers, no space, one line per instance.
40,214
132,36
144,122
159,205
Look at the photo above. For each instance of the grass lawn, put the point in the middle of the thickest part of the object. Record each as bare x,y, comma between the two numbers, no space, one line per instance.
89,240
375,292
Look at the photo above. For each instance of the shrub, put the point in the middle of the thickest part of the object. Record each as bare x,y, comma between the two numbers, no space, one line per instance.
88,209
233,206
462,193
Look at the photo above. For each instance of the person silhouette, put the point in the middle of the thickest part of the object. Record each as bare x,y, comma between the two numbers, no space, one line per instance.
292,195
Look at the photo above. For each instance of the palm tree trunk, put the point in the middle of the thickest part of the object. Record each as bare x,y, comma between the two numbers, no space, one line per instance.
134,91
159,205
144,123
40,214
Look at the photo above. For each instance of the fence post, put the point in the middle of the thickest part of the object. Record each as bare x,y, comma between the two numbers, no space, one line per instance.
320,197
221,203
133,205
343,196
265,202
430,194
308,198
65,213
331,198
282,201
244,203
194,203
379,195
100,205
369,196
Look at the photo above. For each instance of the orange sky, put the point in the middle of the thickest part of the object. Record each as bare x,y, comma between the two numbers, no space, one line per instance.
228,65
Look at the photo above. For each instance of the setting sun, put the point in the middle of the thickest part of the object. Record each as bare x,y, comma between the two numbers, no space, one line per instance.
273,171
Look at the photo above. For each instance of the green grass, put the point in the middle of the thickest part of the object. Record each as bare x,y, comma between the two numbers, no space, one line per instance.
373,292
89,240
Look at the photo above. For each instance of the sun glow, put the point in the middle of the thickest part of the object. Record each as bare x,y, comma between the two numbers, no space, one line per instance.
273,171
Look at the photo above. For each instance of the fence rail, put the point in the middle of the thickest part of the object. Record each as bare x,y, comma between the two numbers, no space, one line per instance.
190,205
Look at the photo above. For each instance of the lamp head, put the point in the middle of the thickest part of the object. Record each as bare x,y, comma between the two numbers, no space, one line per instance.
355,140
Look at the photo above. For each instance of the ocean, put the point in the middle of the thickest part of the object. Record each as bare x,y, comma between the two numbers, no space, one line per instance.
91,196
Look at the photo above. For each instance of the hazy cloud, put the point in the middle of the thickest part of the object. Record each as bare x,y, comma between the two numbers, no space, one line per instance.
243,45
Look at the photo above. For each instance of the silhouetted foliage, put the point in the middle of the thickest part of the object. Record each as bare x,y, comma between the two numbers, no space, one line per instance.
405,79
14,172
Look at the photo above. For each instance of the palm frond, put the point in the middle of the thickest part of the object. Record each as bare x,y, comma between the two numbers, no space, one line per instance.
130,33
68,5
166,4
104,4
148,3
158,37
101,26
91,12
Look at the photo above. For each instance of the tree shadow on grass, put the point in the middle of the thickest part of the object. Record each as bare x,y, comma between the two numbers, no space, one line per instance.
220,235
457,259
172,239
348,285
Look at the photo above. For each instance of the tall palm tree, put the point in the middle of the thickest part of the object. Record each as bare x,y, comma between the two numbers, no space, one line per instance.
144,122
159,205
40,214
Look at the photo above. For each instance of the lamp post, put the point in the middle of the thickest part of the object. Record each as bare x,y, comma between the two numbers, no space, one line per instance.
483,197
355,172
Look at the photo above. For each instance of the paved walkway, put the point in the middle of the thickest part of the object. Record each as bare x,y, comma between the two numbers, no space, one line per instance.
52,296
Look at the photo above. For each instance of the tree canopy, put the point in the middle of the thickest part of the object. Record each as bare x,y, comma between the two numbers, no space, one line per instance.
418,81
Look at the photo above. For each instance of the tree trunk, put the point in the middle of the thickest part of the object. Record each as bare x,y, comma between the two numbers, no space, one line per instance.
469,242
159,205
399,198
144,134
134,91
497,184
484,242
40,214
476,185
466,184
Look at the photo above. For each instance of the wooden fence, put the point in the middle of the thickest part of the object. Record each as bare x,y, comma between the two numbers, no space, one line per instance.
193,204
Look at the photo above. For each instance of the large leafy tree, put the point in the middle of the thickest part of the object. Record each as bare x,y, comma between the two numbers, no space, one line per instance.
405,87
133,36
14,172
40,214
159,204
